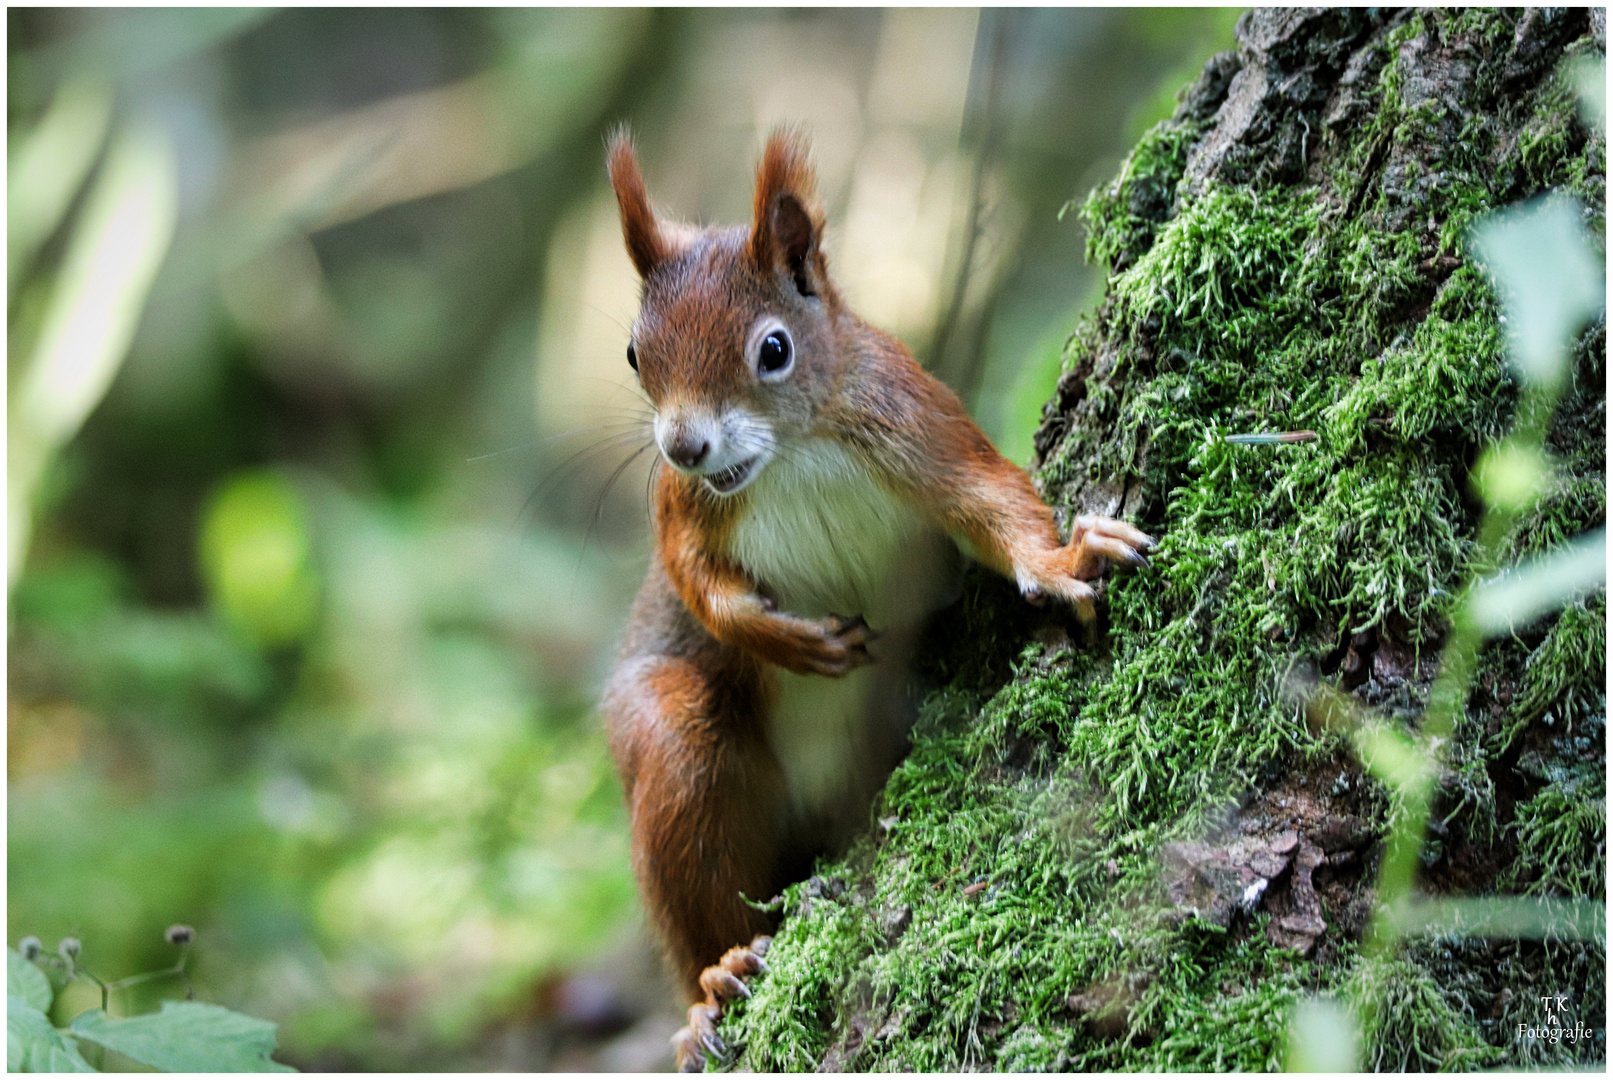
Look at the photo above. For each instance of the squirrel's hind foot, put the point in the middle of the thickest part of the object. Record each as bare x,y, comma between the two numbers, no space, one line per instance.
723,982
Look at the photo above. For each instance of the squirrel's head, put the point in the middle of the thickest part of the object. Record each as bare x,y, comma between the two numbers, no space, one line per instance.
735,338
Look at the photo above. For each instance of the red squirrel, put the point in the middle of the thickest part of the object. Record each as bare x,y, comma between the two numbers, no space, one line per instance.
816,482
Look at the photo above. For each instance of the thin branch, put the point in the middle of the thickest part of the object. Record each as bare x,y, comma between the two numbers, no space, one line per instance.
999,24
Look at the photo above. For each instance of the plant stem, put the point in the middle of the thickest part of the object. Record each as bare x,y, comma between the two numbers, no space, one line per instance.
1448,698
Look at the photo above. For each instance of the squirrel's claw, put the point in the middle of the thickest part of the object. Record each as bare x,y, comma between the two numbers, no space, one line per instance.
722,982
687,1053
1112,527
1098,538
838,645
698,1037
1095,542
721,985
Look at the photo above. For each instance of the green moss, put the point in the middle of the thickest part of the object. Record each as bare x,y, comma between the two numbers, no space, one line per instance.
1271,321
1184,752
1565,673
1221,270
1571,506
1489,28
1562,838
815,954
1554,149
1409,1024
1445,379
1122,218
1242,993
1006,873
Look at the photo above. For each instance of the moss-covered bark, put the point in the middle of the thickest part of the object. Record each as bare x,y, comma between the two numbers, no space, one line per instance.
1132,852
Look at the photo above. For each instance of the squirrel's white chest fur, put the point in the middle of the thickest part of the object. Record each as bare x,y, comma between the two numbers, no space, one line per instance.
823,537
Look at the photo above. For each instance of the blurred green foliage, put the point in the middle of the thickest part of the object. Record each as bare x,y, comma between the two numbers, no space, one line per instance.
313,610
255,558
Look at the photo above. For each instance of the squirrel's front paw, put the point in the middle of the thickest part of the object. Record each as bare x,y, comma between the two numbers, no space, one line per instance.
723,982
831,646
1094,543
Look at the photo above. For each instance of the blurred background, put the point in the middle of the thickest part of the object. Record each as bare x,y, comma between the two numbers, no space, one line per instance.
323,515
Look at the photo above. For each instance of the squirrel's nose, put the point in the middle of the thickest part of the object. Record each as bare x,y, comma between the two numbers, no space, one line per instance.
688,452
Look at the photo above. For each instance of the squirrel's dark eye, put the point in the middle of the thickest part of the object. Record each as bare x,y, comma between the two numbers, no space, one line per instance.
632,356
774,355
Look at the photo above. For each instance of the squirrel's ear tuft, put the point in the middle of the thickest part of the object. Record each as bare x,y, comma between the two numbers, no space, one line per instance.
645,244
787,231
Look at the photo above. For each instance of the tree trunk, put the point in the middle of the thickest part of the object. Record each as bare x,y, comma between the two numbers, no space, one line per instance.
1132,852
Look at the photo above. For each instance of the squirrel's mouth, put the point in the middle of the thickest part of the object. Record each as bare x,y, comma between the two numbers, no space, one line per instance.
733,478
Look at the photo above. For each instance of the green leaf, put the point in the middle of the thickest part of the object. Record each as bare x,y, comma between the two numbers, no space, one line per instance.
186,1036
32,1045
1391,756
1323,1037
1549,276
1589,76
50,163
255,556
1526,918
116,243
1544,584
27,982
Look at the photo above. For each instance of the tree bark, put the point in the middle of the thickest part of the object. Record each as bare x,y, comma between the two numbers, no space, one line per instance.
1132,851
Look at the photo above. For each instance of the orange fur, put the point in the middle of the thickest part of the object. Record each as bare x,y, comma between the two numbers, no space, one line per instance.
645,243
700,775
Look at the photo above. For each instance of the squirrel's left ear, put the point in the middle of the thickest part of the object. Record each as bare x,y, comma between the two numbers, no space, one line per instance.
646,244
787,232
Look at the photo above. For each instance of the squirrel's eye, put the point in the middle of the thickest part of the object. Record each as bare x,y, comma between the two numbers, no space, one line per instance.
632,356
774,355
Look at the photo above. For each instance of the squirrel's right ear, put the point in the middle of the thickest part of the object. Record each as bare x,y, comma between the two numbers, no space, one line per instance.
645,244
787,232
